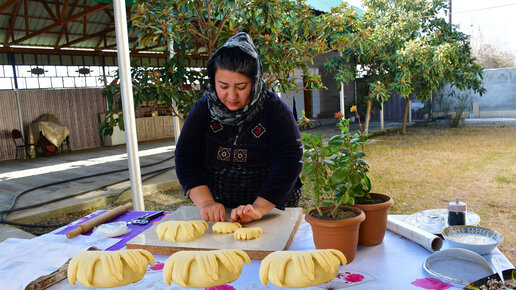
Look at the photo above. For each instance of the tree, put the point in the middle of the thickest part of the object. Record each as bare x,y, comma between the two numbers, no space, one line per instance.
492,56
404,46
287,33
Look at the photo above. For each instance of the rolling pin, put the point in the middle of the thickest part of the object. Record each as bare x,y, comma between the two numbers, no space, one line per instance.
98,220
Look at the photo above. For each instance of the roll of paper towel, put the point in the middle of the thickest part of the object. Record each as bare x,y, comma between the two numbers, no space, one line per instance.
428,240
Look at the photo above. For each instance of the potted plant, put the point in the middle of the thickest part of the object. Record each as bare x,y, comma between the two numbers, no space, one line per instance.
304,122
332,171
374,205
335,173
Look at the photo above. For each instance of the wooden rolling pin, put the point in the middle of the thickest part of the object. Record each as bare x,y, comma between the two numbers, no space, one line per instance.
98,220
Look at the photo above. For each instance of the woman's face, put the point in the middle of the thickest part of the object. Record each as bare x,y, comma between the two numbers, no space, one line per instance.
233,89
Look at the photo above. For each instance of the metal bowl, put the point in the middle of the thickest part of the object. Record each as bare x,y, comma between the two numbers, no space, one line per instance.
477,239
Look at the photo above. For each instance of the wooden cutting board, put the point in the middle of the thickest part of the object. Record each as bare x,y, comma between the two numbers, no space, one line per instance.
278,229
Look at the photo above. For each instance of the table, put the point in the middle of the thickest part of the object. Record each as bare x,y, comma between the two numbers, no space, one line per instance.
394,264
52,130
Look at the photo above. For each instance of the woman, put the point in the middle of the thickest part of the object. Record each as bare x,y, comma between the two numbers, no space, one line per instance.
239,144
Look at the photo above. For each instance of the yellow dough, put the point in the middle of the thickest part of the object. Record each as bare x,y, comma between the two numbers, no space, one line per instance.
225,227
297,269
181,231
203,269
107,269
247,233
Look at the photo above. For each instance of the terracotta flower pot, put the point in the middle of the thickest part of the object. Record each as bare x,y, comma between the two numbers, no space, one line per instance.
372,230
337,234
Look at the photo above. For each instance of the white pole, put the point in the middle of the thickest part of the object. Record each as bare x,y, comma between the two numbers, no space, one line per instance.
342,109
381,118
175,119
124,67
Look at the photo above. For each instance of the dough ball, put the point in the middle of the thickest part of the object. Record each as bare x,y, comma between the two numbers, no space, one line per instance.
247,233
203,269
225,227
297,269
181,231
107,269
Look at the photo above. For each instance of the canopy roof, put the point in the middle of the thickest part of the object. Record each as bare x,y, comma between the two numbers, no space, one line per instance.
59,25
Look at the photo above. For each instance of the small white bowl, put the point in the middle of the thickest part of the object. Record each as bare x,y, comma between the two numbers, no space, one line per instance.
477,239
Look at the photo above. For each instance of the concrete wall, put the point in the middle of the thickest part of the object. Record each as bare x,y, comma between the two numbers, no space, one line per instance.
499,101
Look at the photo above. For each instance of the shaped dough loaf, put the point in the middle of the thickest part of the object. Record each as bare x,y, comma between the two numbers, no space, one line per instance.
106,269
203,269
225,227
247,233
181,231
297,269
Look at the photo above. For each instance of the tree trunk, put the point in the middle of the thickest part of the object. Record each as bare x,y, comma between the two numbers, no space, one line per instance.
368,117
405,113
430,108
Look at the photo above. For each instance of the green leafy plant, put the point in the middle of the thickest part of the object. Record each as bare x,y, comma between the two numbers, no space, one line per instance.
334,171
154,87
462,101
304,122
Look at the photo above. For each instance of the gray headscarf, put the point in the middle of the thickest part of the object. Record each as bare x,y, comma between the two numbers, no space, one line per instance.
218,111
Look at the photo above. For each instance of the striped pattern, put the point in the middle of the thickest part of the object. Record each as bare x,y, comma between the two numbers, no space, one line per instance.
78,109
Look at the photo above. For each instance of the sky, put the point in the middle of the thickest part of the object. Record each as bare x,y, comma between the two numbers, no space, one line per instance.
489,22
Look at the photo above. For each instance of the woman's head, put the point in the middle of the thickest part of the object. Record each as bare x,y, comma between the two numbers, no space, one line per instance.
232,72
235,65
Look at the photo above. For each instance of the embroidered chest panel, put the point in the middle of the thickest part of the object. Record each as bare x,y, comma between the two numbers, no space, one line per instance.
233,153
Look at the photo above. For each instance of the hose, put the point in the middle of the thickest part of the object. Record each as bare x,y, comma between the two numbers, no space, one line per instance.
4,213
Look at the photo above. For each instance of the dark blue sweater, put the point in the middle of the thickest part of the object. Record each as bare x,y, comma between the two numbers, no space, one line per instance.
263,159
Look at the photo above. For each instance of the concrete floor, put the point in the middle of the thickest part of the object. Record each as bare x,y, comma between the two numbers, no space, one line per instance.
17,176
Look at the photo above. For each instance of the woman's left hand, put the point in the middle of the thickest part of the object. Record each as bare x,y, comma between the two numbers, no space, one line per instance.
250,212
245,213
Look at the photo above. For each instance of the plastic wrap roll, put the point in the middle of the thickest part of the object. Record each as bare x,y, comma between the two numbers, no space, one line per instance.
429,241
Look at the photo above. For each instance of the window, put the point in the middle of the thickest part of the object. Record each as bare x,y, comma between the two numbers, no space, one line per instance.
55,76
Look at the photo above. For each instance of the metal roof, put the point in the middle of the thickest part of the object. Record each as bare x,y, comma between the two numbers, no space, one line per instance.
58,25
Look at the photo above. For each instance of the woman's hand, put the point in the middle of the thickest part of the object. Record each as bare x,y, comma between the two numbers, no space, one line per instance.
244,214
213,212
250,212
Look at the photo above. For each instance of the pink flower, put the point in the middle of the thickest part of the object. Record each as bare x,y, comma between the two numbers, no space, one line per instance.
338,115
221,287
157,267
431,283
354,278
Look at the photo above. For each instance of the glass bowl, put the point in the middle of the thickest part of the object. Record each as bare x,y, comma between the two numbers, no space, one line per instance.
477,239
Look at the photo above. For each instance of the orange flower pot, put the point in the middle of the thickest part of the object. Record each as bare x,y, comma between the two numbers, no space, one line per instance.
337,234
372,230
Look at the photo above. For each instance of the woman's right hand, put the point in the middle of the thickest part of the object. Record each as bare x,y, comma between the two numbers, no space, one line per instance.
213,212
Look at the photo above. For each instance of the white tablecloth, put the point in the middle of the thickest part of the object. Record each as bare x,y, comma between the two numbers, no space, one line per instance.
394,264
